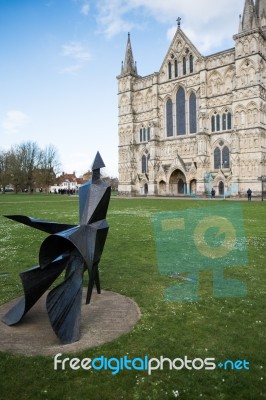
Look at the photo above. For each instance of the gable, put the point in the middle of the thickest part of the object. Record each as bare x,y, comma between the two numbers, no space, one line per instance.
180,47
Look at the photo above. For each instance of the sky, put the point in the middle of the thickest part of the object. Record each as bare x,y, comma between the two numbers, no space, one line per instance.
59,60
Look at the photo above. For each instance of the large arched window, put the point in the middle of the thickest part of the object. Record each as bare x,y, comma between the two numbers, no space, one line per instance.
169,118
144,163
221,156
192,113
217,158
225,157
180,112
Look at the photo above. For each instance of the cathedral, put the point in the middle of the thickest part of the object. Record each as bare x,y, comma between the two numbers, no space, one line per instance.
200,122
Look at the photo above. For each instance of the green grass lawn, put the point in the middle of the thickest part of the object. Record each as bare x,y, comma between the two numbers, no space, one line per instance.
221,328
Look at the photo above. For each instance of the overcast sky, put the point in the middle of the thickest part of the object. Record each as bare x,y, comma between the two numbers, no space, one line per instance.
59,60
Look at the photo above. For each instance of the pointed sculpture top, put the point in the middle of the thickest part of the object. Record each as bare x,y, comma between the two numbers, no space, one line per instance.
98,162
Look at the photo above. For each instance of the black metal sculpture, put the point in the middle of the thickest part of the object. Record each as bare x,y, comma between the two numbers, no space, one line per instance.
73,248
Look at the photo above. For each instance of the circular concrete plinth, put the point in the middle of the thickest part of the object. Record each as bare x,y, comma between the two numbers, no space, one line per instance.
108,316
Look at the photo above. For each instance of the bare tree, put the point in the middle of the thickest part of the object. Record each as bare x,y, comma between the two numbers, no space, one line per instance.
49,166
26,166
4,170
16,175
24,159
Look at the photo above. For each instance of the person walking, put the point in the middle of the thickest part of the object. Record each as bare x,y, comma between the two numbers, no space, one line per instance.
249,192
212,193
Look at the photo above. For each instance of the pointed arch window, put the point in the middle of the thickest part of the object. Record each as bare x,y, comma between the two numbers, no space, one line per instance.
169,118
224,122
191,63
217,158
225,157
180,112
229,120
213,123
218,123
192,113
148,133
221,122
176,69
143,134
221,156
184,66
169,70
144,163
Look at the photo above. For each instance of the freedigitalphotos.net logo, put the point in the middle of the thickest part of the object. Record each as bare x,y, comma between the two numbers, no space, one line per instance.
116,365
206,238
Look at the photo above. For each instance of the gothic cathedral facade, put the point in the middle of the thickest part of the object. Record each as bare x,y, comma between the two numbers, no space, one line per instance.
200,122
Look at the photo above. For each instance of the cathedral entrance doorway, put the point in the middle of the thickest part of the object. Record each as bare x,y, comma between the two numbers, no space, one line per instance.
221,188
162,187
177,183
146,189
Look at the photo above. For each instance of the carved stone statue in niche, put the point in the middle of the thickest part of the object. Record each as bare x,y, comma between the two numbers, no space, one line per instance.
239,49
246,47
178,46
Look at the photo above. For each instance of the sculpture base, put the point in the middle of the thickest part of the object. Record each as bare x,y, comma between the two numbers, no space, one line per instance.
108,316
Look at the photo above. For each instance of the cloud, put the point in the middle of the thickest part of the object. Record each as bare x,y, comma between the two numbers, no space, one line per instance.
75,51
14,120
85,8
71,69
114,17
211,21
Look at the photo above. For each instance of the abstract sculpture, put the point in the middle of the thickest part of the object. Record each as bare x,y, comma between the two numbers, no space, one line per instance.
73,248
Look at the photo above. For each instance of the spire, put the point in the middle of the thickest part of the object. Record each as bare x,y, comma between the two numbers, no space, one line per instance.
249,18
240,23
136,71
129,66
260,8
